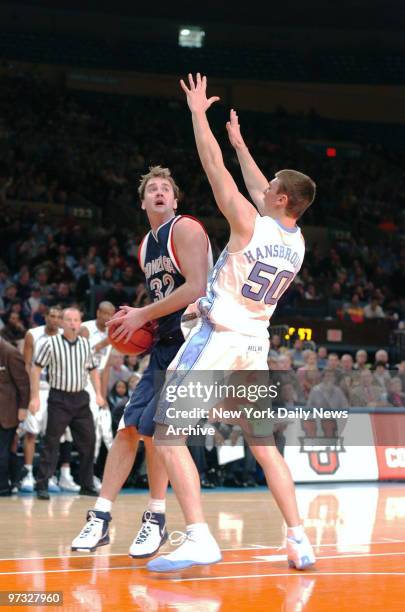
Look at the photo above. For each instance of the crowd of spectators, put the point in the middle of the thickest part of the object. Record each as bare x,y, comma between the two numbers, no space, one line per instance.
307,377
71,149
75,149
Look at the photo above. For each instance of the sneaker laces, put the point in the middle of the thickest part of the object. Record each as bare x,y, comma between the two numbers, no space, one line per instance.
91,522
146,528
177,538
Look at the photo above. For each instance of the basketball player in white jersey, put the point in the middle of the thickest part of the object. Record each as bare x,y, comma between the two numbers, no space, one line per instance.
35,424
263,255
97,334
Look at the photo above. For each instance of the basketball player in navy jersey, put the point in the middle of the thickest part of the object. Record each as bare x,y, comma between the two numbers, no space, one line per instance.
175,256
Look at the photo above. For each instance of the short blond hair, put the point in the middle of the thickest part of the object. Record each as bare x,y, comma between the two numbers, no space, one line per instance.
300,190
157,172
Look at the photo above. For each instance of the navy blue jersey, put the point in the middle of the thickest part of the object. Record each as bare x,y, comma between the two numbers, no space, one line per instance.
157,258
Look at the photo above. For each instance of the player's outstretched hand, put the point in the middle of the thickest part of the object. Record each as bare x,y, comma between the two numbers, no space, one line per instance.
196,93
233,128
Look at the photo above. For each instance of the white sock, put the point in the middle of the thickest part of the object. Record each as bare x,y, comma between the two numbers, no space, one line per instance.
157,505
28,468
198,529
65,471
103,505
296,532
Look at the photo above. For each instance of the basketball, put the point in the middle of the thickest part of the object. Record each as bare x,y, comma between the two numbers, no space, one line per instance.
140,341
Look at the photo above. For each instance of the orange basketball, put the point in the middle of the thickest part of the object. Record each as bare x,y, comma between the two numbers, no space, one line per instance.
140,342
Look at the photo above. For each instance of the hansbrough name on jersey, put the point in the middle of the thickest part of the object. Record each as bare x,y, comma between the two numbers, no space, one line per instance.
244,287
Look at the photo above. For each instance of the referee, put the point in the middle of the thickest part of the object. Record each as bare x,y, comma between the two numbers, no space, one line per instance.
68,358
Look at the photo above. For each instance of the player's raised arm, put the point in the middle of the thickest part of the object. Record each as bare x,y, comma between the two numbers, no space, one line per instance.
231,202
255,181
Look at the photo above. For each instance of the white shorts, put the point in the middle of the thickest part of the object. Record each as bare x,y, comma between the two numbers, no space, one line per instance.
208,348
36,423
205,356
102,422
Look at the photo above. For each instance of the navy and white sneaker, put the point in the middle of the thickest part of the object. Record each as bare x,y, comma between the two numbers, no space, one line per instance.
151,536
94,533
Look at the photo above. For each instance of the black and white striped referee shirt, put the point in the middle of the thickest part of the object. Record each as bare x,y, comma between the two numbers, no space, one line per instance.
68,362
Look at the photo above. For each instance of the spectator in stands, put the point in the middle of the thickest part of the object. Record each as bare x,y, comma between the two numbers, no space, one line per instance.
347,382
117,398
381,356
42,278
311,293
333,362
116,369
141,296
322,357
366,394
117,294
17,306
297,357
283,374
24,285
61,272
361,360
86,283
109,276
10,294
131,363
128,277
38,318
327,394
381,375
13,330
373,310
396,396
275,345
346,363
401,372
353,310
34,299
62,296
309,374
93,258
3,278
133,380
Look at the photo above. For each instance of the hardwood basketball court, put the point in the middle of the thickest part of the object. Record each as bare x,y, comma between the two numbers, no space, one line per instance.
358,532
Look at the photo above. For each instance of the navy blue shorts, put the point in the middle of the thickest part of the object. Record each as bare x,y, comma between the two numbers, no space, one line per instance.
141,407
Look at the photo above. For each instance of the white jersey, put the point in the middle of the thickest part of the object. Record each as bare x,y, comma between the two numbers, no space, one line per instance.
96,336
244,287
40,336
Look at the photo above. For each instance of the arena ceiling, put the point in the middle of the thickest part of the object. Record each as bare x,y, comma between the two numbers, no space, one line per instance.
350,14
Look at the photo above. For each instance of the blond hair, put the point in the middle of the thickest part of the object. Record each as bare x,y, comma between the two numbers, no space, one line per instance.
157,172
300,190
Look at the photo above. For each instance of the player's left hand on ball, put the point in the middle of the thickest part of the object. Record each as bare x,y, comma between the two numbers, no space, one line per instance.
196,93
129,320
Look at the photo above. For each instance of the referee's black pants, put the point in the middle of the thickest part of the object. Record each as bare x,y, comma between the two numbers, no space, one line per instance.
68,409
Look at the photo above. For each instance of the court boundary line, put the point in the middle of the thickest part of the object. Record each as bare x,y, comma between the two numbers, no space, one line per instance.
245,562
257,547
295,574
